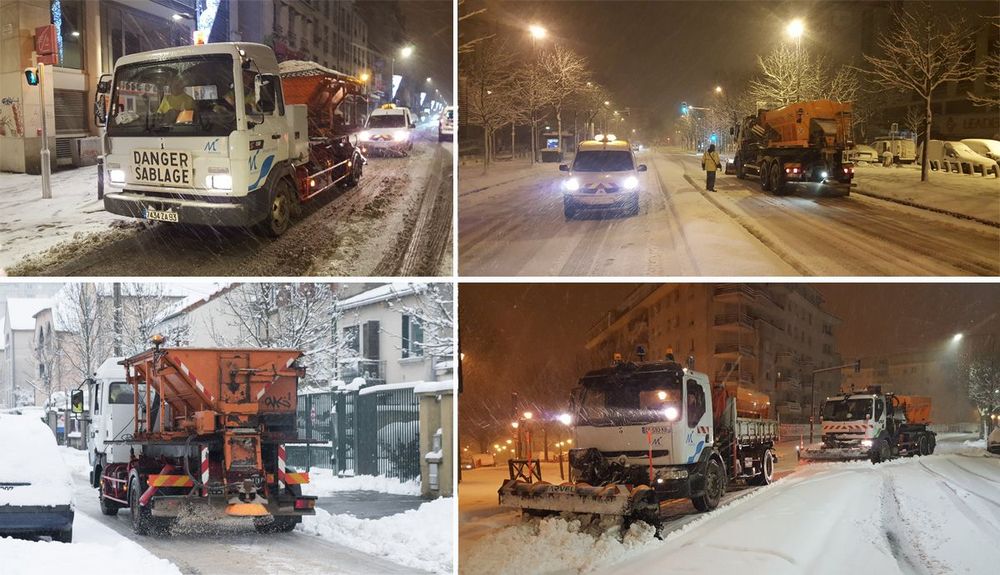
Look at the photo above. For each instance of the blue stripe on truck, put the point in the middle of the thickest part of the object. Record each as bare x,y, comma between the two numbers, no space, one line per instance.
263,172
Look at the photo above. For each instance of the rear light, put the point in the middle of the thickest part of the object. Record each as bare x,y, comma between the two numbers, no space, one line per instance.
305,503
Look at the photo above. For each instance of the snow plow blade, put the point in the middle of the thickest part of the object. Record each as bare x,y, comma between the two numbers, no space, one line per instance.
834,453
612,499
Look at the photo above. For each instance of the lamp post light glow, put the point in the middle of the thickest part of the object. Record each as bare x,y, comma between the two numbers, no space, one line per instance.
795,29
528,415
537,32
957,337
718,89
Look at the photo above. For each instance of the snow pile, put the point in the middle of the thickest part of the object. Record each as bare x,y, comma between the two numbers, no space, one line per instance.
26,438
420,538
323,483
96,550
76,460
978,443
554,544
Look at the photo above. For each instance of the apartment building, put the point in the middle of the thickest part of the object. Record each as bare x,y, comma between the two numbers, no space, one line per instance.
768,337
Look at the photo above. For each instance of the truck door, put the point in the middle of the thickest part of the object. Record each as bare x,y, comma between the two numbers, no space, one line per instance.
698,419
268,140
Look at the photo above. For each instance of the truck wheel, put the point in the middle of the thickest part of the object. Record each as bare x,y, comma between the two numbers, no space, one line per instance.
279,213
766,477
923,446
142,517
715,485
765,173
740,171
777,186
357,167
108,507
279,524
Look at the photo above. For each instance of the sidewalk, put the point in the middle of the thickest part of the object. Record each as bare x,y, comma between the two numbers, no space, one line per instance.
471,178
31,225
969,196
368,504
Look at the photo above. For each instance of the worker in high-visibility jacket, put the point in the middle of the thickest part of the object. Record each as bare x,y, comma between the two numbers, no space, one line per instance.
710,162
177,99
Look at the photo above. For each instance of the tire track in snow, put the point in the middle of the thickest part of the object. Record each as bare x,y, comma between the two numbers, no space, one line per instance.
907,551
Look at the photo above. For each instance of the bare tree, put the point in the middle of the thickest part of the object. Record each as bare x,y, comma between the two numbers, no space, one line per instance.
990,71
922,50
567,75
143,307
86,316
914,121
843,86
488,69
983,374
432,309
589,101
779,82
533,90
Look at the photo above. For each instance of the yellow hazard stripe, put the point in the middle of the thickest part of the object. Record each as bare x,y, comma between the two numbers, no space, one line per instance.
296,478
170,481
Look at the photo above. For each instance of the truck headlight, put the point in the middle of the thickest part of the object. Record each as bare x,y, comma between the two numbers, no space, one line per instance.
571,185
219,182
116,176
400,136
631,183
671,413
365,135
866,443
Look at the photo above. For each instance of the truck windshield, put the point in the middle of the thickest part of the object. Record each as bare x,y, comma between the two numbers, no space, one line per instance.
633,399
847,409
185,97
387,121
120,392
602,161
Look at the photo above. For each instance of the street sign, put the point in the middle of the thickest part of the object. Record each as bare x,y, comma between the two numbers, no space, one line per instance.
46,40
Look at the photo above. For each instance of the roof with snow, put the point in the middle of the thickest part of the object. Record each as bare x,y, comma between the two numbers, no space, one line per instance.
21,312
193,301
382,293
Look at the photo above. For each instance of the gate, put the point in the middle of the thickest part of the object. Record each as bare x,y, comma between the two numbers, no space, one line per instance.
388,433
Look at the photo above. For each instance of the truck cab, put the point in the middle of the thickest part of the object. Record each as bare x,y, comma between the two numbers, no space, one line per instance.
112,415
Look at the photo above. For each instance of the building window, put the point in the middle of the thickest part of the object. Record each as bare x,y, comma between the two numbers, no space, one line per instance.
352,335
413,337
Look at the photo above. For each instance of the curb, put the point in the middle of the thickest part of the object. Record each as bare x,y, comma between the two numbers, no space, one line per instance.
951,213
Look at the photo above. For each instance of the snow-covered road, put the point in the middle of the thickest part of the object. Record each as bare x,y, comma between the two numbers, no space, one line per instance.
518,228
397,221
930,515
233,546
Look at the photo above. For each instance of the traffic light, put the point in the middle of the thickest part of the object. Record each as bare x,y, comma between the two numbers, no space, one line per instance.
684,108
31,75
714,138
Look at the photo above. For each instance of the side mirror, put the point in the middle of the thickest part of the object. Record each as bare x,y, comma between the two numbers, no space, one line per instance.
100,110
104,84
563,168
76,401
641,168
254,119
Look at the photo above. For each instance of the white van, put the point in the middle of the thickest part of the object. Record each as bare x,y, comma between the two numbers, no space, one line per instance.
389,129
958,157
903,150
984,147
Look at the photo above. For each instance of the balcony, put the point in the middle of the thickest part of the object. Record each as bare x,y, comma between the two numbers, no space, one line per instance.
733,351
731,322
732,293
743,377
789,384
366,368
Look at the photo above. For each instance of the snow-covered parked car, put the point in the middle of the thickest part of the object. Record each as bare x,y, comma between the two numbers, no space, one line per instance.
604,175
36,490
993,441
446,124
903,150
958,157
863,153
984,147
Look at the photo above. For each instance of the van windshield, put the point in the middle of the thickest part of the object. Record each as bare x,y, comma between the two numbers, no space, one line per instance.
184,97
602,161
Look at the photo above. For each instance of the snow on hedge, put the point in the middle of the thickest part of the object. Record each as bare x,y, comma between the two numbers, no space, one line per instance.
323,482
420,538
96,550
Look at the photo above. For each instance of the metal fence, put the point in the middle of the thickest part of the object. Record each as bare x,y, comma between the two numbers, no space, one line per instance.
362,432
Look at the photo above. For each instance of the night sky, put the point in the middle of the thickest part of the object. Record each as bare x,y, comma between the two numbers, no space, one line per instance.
653,55
429,26
531,336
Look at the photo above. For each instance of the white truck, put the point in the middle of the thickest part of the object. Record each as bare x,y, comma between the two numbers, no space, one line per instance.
651,432
222,135
870,424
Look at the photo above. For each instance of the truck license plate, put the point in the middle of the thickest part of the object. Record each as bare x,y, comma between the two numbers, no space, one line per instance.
162,216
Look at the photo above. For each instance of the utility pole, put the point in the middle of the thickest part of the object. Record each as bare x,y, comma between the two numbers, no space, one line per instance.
117,297
46,156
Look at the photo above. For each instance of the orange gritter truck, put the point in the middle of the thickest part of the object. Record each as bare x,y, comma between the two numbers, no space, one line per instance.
801,144
207,430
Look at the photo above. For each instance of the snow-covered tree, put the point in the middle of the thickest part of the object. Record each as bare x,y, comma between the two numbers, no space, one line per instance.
86,316
432,307
983,374
534,89
786,75
567,74
488,69
143,307
589,103
990,71
921,50
914,121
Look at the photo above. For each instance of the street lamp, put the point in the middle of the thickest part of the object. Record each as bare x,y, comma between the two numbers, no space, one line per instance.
537,32
957,337
795,29
528,415
404,53
428,79
718,89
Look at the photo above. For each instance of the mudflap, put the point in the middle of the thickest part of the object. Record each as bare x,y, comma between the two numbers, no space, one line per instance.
629,503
